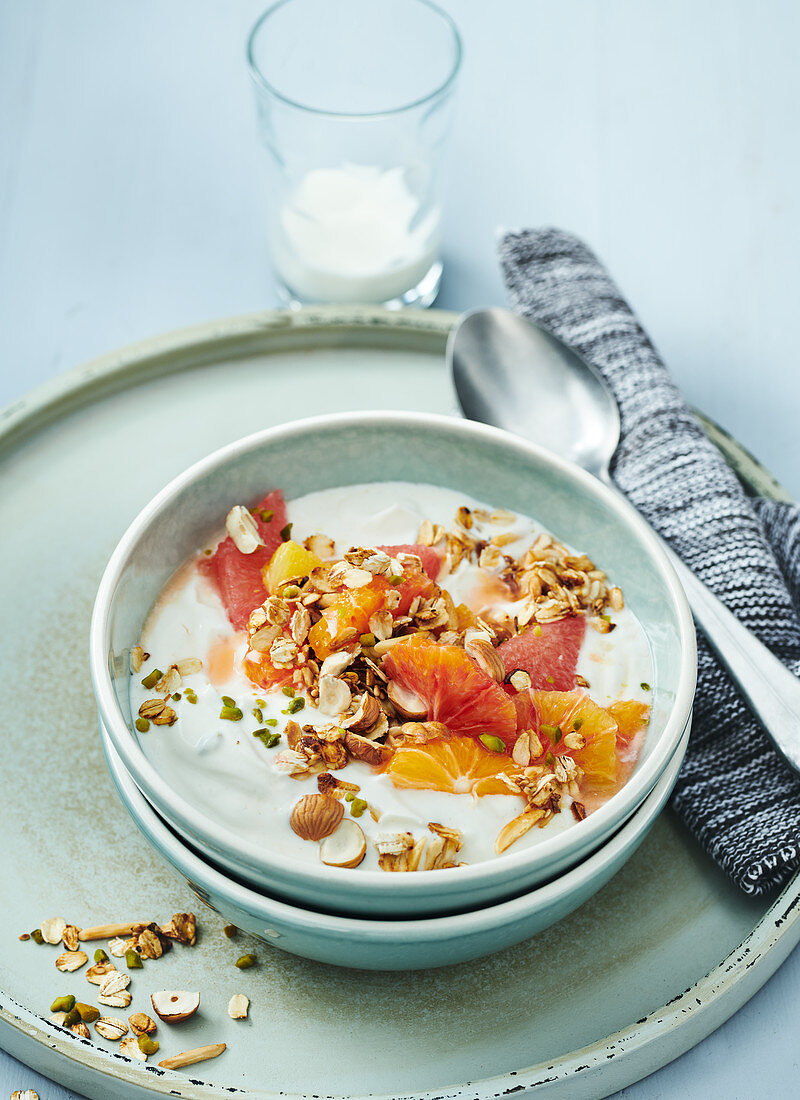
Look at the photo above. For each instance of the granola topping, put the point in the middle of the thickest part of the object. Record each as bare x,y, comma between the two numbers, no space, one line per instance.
313,706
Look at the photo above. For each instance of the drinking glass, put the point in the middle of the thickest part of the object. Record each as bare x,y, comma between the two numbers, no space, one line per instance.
353,102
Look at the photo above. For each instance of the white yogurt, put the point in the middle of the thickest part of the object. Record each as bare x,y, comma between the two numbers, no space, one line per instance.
354,234
227,774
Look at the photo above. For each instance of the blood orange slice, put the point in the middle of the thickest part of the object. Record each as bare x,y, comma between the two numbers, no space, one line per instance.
547,652
236,576
458,766
456,691
431,559
558,713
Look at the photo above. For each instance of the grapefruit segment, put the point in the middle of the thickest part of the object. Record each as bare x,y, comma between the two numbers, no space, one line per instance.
236,576
431,559
415,584
456,691
548,652
458,766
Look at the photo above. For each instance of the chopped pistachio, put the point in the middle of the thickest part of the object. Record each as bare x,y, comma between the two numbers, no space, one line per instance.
357,807
231,714
227,701
152,678
133,960
176,696
261,702
368,640
88,1013
290,592
537,630
266,515
287,689
644,685
270,721
36,935
269,738
294,706
142,725
230,931
495,744
258,714
146,1044
244,962
100,956
63,1004
286,532
72,1017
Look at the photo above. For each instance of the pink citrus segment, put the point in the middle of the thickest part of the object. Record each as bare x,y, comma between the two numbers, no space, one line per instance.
456,691
431,559
548,652
236,576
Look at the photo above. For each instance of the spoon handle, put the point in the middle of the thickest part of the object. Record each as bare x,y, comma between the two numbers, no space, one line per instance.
770,690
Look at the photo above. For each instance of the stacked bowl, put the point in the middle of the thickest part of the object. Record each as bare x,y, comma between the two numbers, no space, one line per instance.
367,918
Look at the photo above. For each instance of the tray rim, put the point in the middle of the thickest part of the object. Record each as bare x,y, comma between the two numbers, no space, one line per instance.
618,1059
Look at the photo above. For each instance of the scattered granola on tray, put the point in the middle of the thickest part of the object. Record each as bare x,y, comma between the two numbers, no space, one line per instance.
143,944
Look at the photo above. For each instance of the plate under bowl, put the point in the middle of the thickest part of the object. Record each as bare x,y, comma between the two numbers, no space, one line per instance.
346,449
393,944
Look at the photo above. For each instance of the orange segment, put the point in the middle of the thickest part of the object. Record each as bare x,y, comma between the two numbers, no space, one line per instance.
630,716
458,766
260,670
560,713
288,562
351,610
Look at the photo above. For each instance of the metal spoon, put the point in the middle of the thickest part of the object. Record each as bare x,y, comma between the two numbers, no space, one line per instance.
510,373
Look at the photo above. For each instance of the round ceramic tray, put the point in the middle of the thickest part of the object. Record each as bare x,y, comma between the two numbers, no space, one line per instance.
658,959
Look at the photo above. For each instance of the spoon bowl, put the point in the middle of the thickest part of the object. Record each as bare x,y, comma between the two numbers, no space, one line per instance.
510,373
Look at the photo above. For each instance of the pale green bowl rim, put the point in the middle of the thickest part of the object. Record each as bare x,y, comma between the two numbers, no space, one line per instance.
592,831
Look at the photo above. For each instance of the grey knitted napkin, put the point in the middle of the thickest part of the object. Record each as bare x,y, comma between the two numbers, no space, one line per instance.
734,793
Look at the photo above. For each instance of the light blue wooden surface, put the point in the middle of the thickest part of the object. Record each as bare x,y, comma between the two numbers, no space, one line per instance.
666,134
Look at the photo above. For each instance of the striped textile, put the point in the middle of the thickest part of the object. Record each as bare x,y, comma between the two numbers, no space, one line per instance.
734,793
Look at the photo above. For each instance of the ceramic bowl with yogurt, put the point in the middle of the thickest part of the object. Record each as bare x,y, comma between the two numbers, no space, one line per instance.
368,480
382,944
